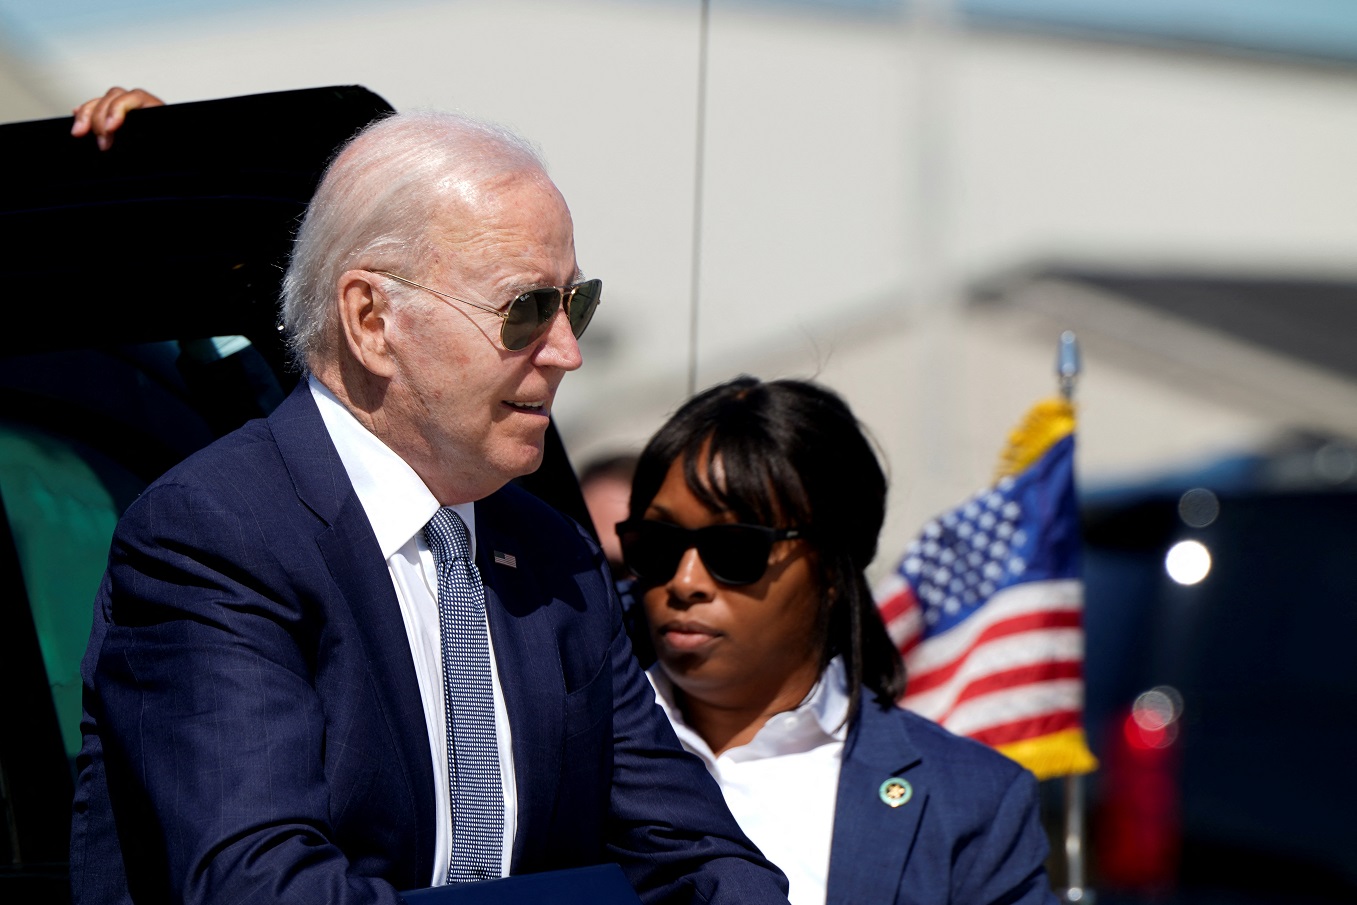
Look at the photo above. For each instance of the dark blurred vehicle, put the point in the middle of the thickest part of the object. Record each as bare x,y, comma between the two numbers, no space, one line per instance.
1221,622
144,328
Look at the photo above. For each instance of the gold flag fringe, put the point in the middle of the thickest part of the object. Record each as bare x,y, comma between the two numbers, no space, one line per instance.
1063,753
1046,423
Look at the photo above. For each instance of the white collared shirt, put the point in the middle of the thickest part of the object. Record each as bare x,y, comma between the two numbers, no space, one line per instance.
399,505
783,784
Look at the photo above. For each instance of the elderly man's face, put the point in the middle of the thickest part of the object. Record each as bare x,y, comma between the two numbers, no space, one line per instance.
475,413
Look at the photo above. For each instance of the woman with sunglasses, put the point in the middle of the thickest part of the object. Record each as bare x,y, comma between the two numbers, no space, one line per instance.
754,512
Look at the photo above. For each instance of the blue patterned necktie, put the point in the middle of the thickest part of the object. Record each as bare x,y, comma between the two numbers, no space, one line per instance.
473,752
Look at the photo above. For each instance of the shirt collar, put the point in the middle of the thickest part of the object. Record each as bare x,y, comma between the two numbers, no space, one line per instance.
395,500
821,717
829,700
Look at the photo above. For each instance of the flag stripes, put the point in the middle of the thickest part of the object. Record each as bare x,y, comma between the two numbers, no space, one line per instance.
986,607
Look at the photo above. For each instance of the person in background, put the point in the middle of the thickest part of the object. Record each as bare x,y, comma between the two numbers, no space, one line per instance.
335,654
606,485
754,512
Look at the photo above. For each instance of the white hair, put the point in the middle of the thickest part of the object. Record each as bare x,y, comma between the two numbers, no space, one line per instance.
376,205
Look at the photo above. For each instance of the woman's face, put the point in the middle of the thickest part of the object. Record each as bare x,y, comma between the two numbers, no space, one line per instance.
727,645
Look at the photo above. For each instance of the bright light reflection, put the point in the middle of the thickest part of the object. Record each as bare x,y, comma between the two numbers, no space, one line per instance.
1154,709
1153,721
1188,562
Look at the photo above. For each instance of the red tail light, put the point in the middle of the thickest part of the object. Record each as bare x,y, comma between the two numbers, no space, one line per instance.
1138,827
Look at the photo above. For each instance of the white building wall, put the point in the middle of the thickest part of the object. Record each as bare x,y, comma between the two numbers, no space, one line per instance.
843,172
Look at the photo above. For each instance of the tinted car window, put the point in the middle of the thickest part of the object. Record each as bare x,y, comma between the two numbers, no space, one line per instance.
1248,799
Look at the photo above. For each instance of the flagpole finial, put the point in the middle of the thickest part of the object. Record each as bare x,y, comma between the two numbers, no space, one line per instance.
1067,364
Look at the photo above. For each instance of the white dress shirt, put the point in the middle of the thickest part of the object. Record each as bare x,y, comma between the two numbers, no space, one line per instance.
399,505
782,785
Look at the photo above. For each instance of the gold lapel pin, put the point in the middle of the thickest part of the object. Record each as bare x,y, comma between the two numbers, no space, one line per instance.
896,791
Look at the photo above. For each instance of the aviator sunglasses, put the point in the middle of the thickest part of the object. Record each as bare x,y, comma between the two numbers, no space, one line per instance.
527,317
732,554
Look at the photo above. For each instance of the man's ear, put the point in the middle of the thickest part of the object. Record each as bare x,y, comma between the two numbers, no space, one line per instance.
364,319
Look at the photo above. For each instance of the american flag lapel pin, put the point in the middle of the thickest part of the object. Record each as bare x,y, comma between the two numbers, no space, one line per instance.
506,559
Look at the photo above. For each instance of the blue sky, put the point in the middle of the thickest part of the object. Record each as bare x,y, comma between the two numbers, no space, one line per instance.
1325,28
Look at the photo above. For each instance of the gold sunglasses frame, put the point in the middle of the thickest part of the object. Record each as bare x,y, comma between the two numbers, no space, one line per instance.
567,294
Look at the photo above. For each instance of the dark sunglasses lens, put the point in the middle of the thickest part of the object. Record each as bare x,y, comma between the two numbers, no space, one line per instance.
732,554
528,316
583,303
735,554
652,549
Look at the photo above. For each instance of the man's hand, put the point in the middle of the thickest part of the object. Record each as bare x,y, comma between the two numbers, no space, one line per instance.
104,115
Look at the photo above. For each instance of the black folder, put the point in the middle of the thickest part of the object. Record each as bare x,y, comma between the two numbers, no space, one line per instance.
602,884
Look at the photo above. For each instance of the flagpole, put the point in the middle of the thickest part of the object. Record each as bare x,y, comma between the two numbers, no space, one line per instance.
1067,363
1067,367
1075,891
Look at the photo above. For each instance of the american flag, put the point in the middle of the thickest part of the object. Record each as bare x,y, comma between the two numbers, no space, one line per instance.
986,606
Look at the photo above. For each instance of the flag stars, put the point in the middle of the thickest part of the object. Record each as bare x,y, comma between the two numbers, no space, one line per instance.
963,557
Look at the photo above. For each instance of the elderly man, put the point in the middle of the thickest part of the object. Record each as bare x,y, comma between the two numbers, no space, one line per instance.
334,655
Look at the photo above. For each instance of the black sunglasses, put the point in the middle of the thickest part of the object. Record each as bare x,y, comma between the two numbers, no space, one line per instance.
526,318
733,554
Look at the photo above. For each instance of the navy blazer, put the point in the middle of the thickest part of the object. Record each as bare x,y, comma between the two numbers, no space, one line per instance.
968,832
253,726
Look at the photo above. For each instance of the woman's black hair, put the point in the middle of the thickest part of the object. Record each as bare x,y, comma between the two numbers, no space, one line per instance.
792,454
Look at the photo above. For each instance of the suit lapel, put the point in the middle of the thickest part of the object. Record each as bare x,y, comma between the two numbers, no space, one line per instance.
526,656
354,559
878,749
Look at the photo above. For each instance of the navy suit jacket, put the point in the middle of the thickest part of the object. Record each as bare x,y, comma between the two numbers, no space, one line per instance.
969,833
254,730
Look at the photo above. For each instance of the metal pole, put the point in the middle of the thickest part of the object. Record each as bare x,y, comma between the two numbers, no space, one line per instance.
1067,363
1067,368
695,274
1075,890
